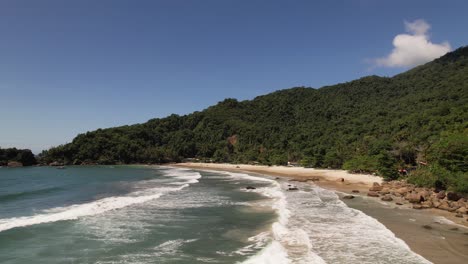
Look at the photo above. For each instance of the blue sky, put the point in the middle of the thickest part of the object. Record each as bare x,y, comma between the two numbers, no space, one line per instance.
67,67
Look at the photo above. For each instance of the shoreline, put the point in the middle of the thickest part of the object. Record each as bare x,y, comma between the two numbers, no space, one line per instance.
439,241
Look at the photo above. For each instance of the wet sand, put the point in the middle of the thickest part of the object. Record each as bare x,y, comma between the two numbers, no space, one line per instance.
430,233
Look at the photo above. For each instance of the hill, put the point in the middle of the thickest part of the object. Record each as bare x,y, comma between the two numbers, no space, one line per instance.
373,124
15,157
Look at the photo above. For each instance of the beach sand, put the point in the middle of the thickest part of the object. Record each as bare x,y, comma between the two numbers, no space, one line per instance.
434,234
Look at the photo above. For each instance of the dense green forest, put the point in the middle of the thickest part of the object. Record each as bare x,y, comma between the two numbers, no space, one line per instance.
417,119
25,156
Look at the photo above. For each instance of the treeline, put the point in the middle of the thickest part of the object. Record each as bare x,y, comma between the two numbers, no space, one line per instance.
373,124
23,156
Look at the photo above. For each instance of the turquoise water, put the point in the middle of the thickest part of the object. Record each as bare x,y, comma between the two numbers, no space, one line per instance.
125,214
129,214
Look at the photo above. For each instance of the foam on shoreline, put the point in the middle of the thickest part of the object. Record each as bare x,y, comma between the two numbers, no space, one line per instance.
314,226
183,178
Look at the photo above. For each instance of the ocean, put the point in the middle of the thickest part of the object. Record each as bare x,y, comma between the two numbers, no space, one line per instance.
151,214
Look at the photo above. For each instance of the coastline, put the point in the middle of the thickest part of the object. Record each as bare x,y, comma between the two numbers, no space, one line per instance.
434,234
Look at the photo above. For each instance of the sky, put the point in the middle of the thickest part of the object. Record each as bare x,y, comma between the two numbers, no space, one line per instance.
67,67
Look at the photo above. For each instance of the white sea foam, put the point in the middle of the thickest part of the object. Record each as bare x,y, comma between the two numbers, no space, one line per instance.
274,253
314,226
171,246
445,221
102,205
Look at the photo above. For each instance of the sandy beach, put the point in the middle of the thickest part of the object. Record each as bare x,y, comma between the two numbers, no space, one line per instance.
434,234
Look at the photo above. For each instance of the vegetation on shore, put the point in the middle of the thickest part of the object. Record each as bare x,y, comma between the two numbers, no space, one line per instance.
22,157
417,119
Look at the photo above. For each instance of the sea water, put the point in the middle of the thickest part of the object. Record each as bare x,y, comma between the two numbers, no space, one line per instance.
130,214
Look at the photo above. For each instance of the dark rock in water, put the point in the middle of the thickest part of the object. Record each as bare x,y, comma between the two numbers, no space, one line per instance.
293,189
250,188
399,204
340,180
454,228
387,198
453,196
313,179
427,227
348,197
237,167
277,178
355,191
459,215
372,194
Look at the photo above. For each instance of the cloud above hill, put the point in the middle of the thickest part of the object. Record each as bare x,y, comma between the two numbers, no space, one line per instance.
413,48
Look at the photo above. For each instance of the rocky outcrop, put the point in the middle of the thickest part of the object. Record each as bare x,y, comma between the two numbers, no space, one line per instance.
375,187
451,196
387,198
420,198
14,164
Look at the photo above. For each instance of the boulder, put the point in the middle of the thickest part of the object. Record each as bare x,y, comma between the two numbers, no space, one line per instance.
401,191
372,194
425,194
348,197
462,210
56,163
399,203
387,198
417,206
414,198
385,190
451,196
299,180
427,227
441,195
250,188
14,164
313,179
375,188
445,206
427,204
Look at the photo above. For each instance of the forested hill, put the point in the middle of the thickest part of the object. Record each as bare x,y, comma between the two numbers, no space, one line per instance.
373,124
16,157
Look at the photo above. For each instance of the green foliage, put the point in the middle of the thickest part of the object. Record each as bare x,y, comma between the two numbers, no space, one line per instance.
373,124
431,177
439,177
25,156
451,151
362,164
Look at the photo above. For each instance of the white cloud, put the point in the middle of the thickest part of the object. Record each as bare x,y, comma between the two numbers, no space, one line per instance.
414,48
